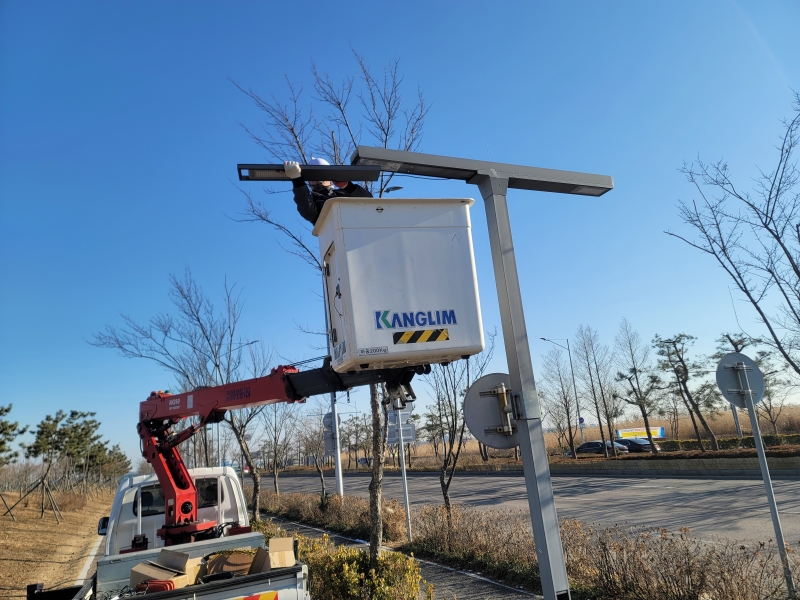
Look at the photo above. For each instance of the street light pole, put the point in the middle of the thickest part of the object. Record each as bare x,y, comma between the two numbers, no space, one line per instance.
574,387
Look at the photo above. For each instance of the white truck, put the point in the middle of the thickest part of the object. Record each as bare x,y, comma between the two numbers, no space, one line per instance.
138,509
200,512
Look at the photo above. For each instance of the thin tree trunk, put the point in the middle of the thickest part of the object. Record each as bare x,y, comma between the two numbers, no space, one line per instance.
255,474
448,507
484,452
322,475
694,422
696,406
596,406
375,485
653,449
605,409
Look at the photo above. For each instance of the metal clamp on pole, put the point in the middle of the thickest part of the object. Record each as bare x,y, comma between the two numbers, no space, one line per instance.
508,414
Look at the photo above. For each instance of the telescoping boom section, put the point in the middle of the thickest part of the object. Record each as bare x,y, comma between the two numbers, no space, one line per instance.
162,411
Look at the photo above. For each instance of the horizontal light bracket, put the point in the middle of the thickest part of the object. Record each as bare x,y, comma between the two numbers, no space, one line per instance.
448,167
310,173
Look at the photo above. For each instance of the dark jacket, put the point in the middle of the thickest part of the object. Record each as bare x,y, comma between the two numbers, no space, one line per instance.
310,202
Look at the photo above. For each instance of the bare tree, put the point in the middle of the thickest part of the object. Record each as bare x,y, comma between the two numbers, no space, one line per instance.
341,115
311,436
201,346
640,385
449,384
350,435
755,236
674,360
594,370
670,408
778,388
279,422
557,392
432,431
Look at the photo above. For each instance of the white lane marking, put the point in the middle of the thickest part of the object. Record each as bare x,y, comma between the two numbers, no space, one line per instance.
89,560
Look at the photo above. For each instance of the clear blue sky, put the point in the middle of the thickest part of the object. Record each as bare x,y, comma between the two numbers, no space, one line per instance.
119,138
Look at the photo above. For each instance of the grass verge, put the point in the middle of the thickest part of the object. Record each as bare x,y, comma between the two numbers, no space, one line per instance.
349,517
339,572
602,563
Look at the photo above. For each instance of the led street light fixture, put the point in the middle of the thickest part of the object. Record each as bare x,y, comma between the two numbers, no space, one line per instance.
519,177
310,173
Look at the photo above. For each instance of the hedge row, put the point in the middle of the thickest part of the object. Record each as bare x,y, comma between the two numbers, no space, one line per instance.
728,443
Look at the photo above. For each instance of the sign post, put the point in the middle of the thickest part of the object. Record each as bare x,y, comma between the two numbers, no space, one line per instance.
337,453
742,384
399,422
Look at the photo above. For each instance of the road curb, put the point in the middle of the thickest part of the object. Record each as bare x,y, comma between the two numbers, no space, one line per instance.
747,474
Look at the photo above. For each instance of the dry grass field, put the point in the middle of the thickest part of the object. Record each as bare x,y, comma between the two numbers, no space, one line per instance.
423,457
35,549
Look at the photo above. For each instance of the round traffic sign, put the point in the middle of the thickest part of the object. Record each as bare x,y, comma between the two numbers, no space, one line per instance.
484,415
734,371
581,420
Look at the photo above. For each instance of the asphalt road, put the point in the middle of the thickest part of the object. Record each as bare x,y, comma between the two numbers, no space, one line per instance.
733,509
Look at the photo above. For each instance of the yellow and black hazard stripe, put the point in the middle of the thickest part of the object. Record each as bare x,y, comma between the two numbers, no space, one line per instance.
421,335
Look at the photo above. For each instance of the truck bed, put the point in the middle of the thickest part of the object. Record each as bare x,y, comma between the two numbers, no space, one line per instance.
113,572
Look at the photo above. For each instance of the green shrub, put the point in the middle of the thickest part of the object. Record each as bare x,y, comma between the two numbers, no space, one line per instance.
336,573
670,445
774,439
728,443
694,445
748,441
268,528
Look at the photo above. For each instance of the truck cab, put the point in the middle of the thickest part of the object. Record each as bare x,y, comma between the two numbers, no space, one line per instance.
138,506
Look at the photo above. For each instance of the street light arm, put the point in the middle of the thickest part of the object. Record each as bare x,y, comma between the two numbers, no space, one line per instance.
559,345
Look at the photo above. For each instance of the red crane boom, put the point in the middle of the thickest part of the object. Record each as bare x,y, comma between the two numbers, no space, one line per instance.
161,411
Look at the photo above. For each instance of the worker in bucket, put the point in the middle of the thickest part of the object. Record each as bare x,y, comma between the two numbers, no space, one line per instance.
310,201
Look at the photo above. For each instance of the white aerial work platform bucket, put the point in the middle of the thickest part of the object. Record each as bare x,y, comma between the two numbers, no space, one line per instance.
400,281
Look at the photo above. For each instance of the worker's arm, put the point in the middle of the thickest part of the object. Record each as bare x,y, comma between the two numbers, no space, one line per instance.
304,200
302,195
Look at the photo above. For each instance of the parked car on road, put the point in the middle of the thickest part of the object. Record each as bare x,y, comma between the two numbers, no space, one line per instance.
637,444
596,447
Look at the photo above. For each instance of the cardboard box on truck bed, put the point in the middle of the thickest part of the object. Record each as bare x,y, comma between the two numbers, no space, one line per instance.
280,554
172,566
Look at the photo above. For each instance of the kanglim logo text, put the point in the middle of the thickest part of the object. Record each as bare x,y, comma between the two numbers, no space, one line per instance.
386,319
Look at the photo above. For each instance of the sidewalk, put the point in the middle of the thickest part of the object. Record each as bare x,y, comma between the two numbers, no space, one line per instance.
447,583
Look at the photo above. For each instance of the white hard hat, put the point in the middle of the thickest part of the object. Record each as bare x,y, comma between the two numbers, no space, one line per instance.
318,161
